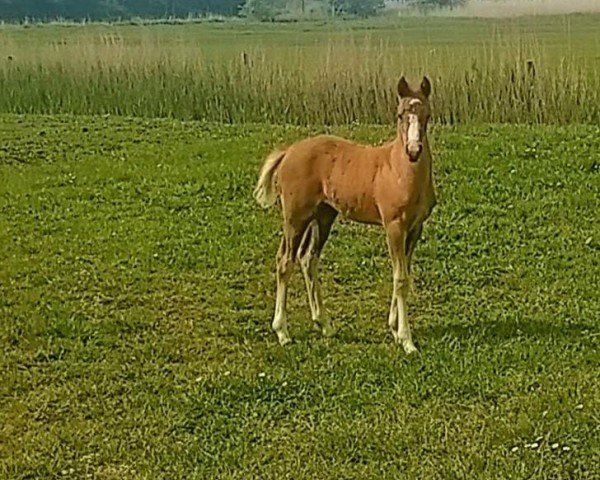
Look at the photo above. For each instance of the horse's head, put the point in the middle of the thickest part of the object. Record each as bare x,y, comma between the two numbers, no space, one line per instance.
413,115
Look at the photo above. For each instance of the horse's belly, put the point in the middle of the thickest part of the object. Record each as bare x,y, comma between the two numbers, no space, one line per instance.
364,217
357,209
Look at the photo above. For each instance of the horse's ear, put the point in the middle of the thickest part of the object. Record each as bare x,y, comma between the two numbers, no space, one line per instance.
403,88
426,87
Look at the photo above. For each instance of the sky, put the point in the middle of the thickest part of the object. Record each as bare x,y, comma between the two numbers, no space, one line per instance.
510,8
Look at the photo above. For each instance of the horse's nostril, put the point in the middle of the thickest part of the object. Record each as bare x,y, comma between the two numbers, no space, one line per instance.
414,151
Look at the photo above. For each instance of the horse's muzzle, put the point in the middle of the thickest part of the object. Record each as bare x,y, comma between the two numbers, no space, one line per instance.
414,151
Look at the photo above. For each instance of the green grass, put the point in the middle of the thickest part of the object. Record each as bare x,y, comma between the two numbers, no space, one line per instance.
136,289
308,73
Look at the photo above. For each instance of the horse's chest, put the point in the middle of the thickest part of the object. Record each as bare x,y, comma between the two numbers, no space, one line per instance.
410,201
421,212
423,203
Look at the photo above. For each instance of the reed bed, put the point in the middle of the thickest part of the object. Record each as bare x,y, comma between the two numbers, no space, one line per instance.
495,72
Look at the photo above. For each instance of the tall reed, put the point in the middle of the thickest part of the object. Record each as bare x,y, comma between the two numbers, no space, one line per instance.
340,78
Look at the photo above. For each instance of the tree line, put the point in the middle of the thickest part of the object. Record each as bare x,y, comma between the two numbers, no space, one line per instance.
258,9
114,9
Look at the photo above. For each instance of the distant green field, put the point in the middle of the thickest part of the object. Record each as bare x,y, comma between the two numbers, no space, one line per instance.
136,290
307,73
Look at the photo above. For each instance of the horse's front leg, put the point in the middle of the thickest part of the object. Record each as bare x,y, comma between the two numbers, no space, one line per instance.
411,242
398,321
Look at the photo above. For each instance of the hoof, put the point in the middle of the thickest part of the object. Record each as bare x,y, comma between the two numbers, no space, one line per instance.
283,337
326,329
329,331
409,347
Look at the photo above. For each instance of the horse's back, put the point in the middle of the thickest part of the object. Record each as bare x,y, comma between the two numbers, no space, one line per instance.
319,146
310,158
318,155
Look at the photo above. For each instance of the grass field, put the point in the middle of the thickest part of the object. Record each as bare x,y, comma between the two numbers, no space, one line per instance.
239,72
136,289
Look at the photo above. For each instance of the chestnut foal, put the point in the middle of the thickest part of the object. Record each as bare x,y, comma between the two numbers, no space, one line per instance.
321,177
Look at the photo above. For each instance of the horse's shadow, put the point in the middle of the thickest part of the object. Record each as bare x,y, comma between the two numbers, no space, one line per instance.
483,332
508,329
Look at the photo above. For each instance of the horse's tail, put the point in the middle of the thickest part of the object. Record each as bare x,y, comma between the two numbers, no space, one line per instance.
265,192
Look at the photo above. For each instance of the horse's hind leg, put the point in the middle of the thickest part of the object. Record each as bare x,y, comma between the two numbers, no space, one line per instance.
311,247
288,251
284,271
309,264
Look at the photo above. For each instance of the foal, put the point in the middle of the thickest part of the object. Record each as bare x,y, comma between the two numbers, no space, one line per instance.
321,177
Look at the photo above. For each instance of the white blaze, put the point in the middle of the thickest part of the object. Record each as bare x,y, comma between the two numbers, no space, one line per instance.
413,129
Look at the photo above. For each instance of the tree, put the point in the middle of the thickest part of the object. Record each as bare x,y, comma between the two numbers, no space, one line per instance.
111,9
431,4
263,10
361,8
